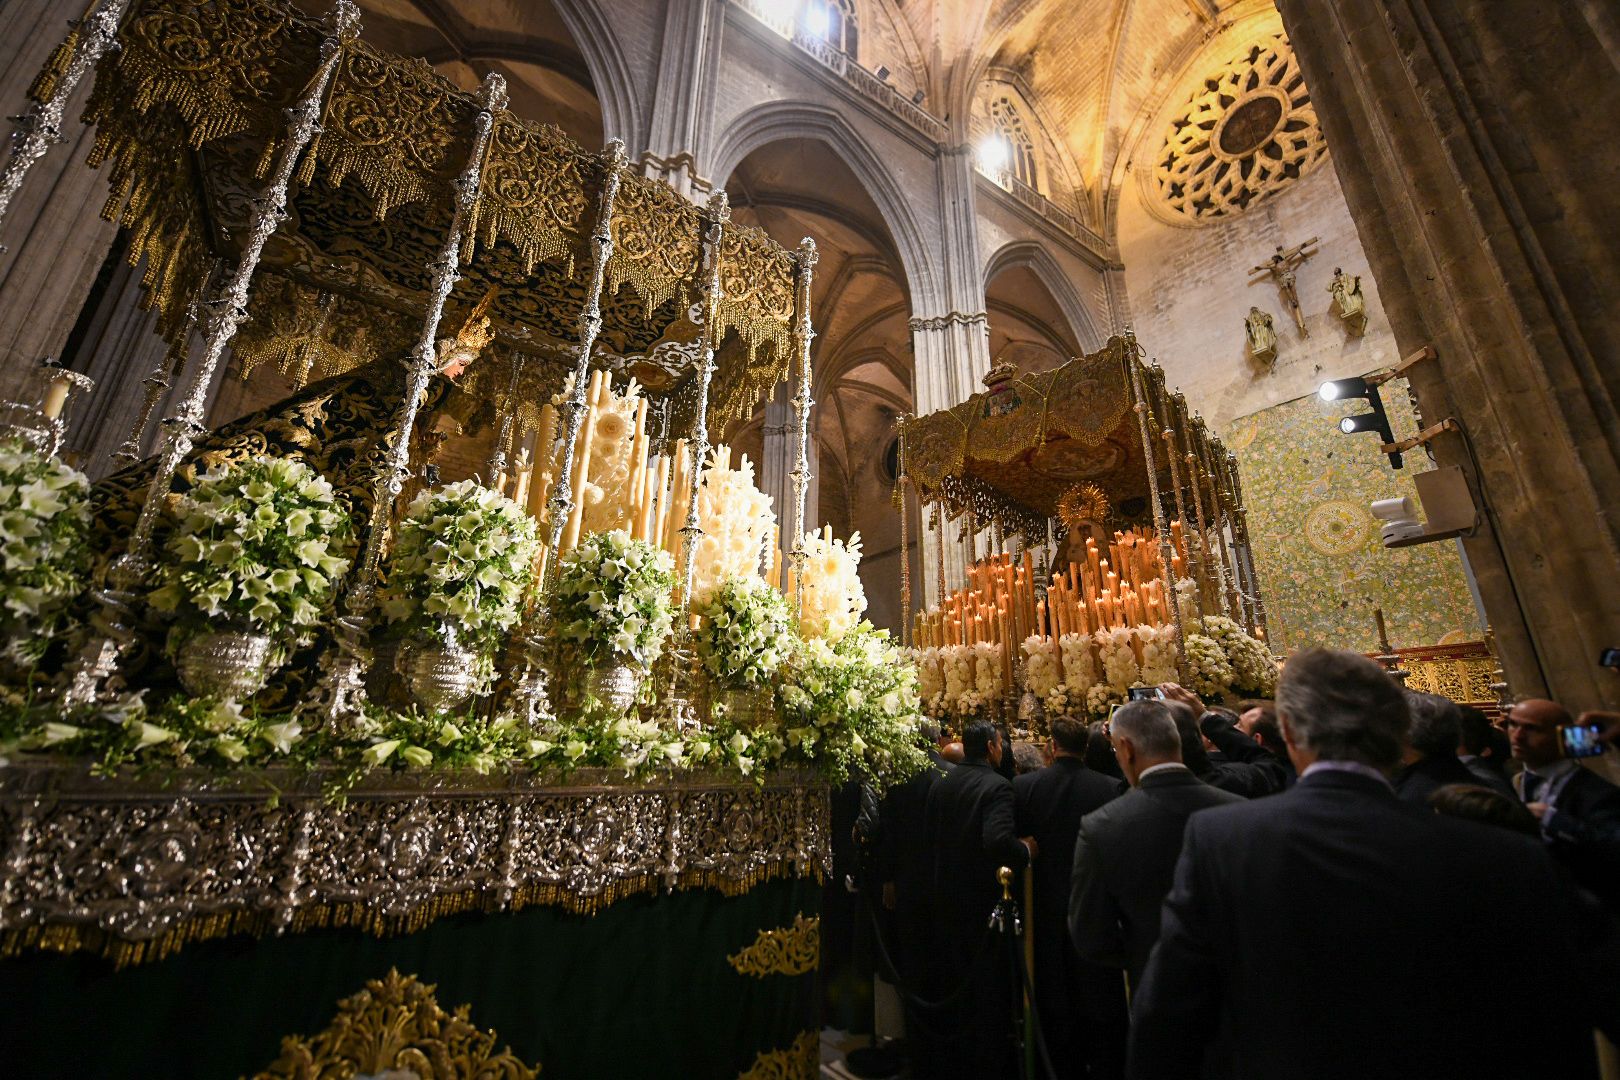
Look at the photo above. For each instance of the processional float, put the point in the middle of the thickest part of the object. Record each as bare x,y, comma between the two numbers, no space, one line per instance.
299,198
1114,532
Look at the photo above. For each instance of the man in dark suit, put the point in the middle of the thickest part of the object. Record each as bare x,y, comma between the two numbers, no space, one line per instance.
1334,930
1431,760
905,866
1578,809
1126,853
1081,1005
1484,750
971,830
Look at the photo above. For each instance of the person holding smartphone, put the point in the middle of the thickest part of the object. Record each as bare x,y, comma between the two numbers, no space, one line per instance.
1578,809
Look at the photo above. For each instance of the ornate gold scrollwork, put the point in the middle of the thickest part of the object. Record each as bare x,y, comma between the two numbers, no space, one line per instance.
791,950
797,1062
395,1027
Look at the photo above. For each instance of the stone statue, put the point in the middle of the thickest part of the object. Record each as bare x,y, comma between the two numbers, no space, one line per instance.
1262,336
1280,268
1348,303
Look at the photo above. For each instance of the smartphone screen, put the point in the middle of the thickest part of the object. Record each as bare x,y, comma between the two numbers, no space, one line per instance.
1578,740
1144,693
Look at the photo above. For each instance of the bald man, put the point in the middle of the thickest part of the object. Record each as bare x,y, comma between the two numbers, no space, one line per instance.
1578,809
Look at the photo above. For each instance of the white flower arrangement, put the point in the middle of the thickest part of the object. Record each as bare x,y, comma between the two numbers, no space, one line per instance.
743,633
987,669
1120,669
853,707
834,597
461,565
930,674
1254,672
1100,699
1060,701
1079,668
612,599
1157,645
45,552
1187,598
262,544
736,519
957,664
1041,674
1209,673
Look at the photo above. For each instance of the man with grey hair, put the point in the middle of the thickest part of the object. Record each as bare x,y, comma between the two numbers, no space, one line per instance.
1431,760
1126,851
1334,930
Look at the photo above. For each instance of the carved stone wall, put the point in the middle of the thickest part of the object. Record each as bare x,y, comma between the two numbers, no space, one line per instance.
1469,142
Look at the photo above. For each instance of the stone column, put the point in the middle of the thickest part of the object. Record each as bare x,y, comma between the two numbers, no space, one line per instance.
688,63
776,463
54,238
1476,150
120,348
950,335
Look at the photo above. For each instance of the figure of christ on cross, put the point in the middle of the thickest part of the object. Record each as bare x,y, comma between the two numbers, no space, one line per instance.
1280,268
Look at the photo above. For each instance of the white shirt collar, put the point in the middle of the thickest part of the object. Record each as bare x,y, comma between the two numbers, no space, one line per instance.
1162,766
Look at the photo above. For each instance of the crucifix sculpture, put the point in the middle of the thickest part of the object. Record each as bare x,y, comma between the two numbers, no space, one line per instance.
1280,268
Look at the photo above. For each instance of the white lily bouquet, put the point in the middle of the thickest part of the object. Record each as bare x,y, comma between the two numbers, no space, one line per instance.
260,545
612,600
462,562
45,552
853,707
834,597
744,633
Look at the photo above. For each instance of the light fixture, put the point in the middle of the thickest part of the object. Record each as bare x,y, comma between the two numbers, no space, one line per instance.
1340,389
917,98
1376,421
882,73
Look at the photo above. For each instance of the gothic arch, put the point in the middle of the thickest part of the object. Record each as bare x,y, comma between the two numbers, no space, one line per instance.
615,88
1032,256
779,121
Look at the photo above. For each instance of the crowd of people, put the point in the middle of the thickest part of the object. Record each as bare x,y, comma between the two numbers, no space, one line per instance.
1354,880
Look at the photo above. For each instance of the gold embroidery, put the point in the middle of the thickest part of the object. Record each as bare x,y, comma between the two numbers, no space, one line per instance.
791,950
395,1026
797,1062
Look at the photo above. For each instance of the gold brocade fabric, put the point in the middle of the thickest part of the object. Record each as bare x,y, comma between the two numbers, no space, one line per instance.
1010,453
396,1027
189,113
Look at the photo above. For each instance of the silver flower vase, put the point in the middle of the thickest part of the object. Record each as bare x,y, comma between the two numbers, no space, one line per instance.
614,684
230,664
440,675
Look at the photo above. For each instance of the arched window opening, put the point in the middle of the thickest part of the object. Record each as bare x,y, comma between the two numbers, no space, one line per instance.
834,22
1019,147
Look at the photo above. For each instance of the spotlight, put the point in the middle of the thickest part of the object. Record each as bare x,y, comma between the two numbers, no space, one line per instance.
1376,421
917,98
882,73
1339,389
